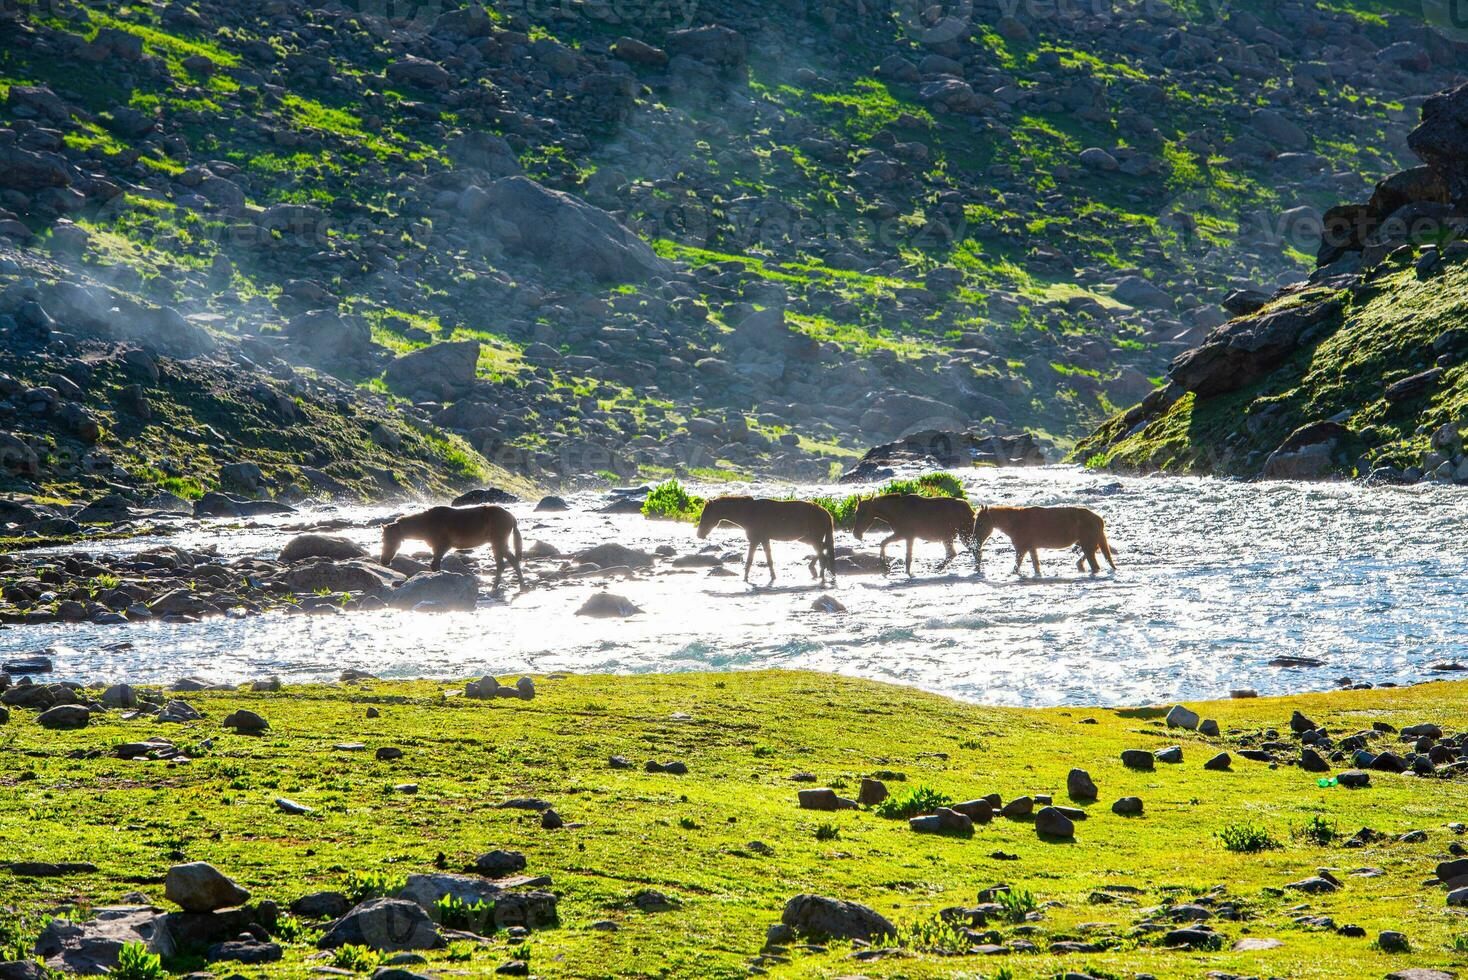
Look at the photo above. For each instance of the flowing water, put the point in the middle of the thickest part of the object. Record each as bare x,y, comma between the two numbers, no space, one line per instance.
1216,579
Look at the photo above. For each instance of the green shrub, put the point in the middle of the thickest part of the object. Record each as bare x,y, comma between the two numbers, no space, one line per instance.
134,962
455,913
1017,903
670,501
1318,830
1247,838
359,886
935,935
917,801
358,959
828,831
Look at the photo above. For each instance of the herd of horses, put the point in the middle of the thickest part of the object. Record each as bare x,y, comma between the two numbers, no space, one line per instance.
910,518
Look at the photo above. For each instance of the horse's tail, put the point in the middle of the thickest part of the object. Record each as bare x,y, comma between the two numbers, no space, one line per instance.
1105,547
515,534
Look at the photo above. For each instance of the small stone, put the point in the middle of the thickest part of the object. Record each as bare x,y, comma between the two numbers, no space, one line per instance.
1208,727
824,799
1020,806
1354,779
551,820
1127,806
1173,754
1181,717
1138,759
246,722
1080,785
388,753
619,762
373,713
1219,763
1299,724
292,807
873,791
1050,822
499,864
1390,941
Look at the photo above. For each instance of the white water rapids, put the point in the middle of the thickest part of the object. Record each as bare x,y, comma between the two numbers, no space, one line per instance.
1215,580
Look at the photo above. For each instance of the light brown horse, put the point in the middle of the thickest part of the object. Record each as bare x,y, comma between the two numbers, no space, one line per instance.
764,521
912,516
447,528
1031,528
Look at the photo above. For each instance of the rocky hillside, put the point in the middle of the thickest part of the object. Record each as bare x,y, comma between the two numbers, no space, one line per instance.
1360,370
640,238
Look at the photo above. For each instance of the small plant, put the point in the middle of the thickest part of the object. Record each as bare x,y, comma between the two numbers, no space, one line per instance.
358,959
359,886
455,913
289,929
1318,830
134,962
1460,944
670,501
917,801
521,952
935,935
688,823
828,831
1246,838
1017,903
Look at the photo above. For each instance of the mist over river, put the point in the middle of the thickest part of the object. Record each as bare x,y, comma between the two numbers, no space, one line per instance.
1216,579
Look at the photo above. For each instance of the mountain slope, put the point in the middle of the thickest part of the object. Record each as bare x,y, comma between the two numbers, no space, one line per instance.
757,237
1361,370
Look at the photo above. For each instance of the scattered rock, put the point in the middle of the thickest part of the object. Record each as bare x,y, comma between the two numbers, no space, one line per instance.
200,887
605,605
1127,806
1080,786
384,924
820,918
1181,717
1050,822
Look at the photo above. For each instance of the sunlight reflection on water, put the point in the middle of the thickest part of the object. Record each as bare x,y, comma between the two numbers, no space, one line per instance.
1215,579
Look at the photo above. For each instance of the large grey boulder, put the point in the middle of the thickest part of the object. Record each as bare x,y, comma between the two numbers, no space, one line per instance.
447,590
566,233
1441,140
831,918
386,925
1243,351
331,546
91,948
342,576
200,887
444,369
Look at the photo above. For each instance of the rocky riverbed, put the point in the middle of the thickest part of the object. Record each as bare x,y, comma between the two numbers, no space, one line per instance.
1222,586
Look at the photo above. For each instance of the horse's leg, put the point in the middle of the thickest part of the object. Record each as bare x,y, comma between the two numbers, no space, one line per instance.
769,561
909,557
952,553
1019,556
1035,559
498,548
882,551
438,552
749,559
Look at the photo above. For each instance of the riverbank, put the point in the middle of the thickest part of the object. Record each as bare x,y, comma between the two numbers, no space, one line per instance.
313,803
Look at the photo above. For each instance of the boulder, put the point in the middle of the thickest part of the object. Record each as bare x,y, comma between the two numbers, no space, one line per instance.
64,716
92,947
564,232
1138,292
1441,140
246,722
448,590
714,45
1244,350
445,369
605,605
820,918
329,546
1181,717
200,887
1080,785
341,576
611,555
385,925
24,170
1050,822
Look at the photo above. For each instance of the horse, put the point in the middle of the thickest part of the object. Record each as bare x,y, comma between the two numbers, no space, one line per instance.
777,520
912,516
446,528
1031,528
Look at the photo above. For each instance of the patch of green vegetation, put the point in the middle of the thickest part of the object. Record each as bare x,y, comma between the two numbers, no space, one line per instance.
670,501
744,736
914,801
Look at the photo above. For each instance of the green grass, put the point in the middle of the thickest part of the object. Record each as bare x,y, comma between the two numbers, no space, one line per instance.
688,837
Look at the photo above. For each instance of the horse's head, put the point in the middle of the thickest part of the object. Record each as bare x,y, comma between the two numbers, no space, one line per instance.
710,518
392,539
983,527
866,514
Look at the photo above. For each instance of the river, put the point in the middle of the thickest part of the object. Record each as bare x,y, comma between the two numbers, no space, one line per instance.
1216,581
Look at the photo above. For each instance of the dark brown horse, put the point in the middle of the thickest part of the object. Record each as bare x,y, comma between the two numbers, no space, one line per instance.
912,516
764,521
1030,528
448,528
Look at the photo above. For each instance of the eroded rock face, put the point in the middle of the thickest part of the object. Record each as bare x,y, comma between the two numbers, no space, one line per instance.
1243,351
1441,140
